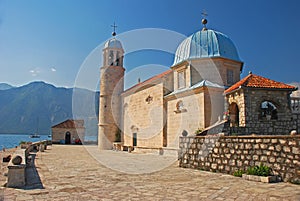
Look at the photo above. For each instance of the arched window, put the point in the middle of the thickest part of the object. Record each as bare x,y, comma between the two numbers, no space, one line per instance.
268,110
111,58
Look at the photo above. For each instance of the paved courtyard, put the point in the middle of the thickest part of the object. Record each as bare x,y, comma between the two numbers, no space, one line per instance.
75,173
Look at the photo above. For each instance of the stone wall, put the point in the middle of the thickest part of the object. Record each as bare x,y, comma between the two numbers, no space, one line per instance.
144,115
228,154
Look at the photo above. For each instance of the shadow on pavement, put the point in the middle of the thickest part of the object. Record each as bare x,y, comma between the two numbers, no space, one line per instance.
33,180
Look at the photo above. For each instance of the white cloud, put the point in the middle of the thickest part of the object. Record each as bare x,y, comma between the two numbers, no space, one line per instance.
296,93
34,72
53,69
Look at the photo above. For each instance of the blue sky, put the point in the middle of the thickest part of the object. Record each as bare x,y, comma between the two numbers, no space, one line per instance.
49,40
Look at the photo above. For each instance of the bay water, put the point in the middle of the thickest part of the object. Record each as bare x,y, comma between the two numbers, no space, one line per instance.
12,140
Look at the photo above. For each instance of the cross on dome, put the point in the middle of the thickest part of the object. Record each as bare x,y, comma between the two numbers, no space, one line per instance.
204,20
114,27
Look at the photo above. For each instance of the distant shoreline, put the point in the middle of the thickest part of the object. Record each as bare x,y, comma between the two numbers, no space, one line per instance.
20,134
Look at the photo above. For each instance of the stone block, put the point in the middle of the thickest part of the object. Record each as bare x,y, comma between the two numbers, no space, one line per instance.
286,149
232,162
295,150
263,146
214,166
282,141
259,141
278,147
239,152
259,152
296,162
255,157
248,146
292,143
268,153
263,158
228,156
256,146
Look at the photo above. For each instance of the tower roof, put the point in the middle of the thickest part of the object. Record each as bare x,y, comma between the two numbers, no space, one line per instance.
206,44
256,81
113,43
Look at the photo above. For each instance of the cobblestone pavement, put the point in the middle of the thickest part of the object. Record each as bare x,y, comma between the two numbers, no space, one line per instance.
71,173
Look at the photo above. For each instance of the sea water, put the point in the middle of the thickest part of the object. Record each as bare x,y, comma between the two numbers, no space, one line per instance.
13,140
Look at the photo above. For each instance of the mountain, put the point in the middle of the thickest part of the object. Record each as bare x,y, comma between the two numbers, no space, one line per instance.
4,86
38,106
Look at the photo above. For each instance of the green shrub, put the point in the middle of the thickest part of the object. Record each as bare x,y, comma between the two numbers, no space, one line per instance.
238,173
22,142
261,170
198,131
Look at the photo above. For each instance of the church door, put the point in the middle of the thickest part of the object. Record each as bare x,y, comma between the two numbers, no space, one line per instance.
134,139
68,138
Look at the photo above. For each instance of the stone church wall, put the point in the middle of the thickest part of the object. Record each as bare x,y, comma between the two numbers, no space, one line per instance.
144,115
228,154
188,118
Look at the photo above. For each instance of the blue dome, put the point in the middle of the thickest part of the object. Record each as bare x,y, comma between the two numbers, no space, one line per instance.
113,43
206,44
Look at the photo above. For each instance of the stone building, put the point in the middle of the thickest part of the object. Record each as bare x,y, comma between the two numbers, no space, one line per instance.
68,132
202,84
260,105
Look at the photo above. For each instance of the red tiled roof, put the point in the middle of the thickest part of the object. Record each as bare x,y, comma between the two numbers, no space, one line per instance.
256,81
150,80
70,123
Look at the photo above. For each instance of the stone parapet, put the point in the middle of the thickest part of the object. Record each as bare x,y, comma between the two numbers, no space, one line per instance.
230,153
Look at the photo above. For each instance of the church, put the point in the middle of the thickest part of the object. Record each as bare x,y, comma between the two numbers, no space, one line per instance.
202,93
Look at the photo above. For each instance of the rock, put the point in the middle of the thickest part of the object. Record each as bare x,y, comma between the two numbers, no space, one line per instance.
17,160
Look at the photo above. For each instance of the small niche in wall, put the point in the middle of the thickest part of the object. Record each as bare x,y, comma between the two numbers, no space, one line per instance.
149,99
180,107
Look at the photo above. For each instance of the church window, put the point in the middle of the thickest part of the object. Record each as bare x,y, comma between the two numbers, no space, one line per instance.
230,79
268,110
181,79
111,58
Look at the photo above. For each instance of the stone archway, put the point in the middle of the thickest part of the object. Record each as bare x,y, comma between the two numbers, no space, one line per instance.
234,115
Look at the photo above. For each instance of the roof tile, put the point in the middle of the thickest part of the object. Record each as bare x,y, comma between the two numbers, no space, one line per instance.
150,80
256,81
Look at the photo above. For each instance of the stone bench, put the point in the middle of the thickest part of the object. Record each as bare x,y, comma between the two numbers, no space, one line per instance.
16,177
16,169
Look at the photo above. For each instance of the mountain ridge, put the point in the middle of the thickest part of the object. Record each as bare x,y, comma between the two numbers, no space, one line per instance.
22,107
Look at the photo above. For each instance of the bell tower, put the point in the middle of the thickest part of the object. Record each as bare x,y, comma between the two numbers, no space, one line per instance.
111,87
